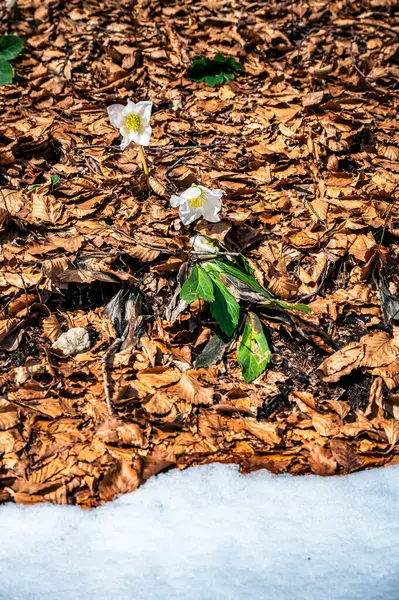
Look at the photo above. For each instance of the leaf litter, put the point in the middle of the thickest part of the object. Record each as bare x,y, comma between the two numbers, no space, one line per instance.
304,145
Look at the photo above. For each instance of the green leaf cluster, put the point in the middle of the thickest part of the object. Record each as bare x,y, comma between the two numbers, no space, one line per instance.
10,47
223,285
214,71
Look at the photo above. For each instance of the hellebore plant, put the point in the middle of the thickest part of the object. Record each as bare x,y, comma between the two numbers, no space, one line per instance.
133,122
222,279
198,201
224,283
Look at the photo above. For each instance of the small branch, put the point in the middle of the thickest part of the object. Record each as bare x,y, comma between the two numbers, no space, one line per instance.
362,75
97,146
106,365
173,252
222,142
319,287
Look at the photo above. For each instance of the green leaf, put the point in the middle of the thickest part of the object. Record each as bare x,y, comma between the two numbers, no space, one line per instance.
225,308
10,46
244,264
214,71
224,267
287,306
198,285
254,352
55,179
212,80
6,72
250,281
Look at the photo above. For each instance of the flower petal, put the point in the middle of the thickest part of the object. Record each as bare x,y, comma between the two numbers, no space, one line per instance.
217,193
191,192
125,142
188,214
176,201
134,137
201,244
129,109
144,109
210,211
115,114
211,194
144,136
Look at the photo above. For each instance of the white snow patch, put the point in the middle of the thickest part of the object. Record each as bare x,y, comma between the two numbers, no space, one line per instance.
209,533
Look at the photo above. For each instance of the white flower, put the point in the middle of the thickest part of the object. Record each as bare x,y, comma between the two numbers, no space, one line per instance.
133,121
10,3
200,243
197,201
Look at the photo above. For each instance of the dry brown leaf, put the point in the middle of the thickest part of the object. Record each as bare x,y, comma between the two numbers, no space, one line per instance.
321,461
46,208
52,328
343,453
157,377
191,390
120,478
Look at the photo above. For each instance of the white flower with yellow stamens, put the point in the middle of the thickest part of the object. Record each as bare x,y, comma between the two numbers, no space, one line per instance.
198,201
200,243
133,121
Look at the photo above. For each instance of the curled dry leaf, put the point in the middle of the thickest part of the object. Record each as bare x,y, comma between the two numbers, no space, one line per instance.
120,478
157,377
343,453
114,431
191,390
321,461
51,328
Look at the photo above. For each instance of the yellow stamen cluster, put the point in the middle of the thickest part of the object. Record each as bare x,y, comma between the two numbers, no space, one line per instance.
199,201
133,122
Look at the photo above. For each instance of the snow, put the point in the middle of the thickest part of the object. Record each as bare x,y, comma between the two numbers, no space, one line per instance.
209,533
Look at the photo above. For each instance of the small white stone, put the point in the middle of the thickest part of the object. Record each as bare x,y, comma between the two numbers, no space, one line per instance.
73,341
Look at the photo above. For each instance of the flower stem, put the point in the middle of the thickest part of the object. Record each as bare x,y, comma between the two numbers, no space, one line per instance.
143,160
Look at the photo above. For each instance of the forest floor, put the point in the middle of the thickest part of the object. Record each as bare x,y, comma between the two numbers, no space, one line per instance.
304,144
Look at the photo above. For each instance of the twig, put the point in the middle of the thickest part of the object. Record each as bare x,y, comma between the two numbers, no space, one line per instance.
97,146
150,149
170,169
319,287
166,250
106,375
363,75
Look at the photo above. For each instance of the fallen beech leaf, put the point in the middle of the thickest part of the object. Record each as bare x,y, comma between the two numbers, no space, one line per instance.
46,208
378,350
344,455
120,478
321,461
312,99
267,432
375,399
8,418
52,328
391,429
157,377
342,362
159,404
191,390
115,431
